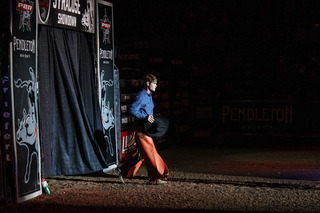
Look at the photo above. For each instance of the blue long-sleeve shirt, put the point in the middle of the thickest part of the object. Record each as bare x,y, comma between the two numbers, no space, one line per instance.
143,105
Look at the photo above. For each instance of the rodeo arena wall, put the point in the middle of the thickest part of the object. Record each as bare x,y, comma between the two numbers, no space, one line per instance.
59,94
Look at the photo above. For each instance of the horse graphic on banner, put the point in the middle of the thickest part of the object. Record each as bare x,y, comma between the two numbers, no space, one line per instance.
108,120
27,133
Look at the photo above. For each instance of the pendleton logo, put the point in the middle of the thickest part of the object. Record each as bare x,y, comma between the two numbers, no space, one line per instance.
259,114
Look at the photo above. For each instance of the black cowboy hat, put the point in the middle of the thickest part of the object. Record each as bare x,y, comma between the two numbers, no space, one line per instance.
158,128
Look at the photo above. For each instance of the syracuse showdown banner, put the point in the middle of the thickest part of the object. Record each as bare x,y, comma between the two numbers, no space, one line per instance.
69,14
24,93
106,75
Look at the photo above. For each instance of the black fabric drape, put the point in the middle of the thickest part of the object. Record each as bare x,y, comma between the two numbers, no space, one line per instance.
70,120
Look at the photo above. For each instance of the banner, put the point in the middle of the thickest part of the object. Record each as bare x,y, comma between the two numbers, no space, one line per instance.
24,98
71,14
106,76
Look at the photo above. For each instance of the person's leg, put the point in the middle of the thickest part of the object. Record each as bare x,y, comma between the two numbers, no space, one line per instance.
130,168
155,165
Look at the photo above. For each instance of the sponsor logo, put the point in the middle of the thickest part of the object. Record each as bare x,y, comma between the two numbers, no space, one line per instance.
105,54
106,28
24,45
25,8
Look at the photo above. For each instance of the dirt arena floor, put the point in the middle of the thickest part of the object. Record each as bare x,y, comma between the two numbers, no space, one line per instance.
202,179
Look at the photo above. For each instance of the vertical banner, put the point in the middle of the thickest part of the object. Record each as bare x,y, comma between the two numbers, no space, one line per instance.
24,98
106,76
6,148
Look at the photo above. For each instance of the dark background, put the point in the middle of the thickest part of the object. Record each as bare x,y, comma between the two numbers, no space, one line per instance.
210,53
261,49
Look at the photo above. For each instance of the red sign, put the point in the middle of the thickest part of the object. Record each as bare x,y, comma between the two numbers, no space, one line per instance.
24,7
126,137
105,26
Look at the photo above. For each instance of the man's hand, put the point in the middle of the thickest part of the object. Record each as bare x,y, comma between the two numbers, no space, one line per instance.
150,118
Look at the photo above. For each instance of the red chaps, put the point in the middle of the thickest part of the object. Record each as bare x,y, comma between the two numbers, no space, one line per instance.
155,166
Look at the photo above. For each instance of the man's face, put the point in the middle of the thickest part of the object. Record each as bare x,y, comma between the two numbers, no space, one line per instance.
152,86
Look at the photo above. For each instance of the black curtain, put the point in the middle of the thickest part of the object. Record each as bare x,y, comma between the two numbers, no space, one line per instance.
70,120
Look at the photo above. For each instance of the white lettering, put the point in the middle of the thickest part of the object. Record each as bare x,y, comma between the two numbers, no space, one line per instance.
24,45
54,4
63,5
24,7
68,6
71,6
67,20
105,54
